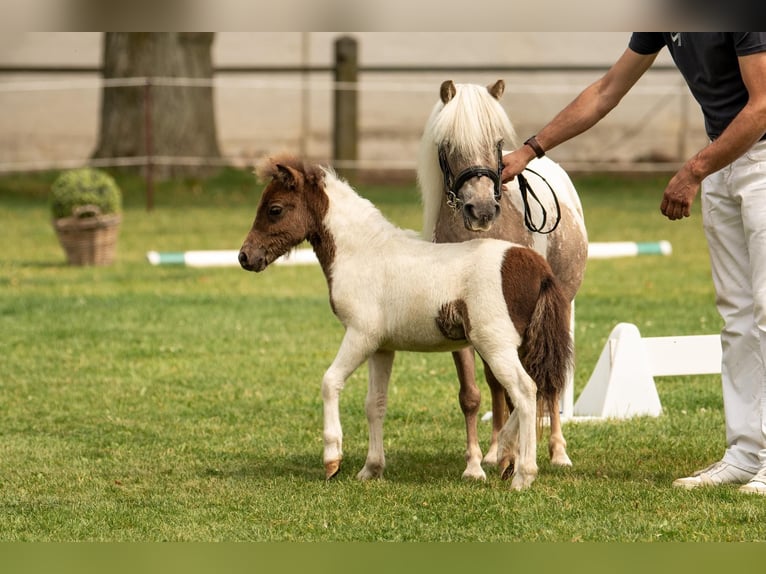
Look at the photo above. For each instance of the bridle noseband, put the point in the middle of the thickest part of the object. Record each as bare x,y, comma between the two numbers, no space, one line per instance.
452,183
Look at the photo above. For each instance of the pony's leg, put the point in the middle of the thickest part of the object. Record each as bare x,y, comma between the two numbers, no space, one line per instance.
470,401
350,356
557,445
380,364
499,412
522,391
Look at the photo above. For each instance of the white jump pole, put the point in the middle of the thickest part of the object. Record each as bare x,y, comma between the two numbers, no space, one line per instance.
612,249
224,258
229,258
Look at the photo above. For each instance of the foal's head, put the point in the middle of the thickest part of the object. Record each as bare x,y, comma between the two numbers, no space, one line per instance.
470,131
289,212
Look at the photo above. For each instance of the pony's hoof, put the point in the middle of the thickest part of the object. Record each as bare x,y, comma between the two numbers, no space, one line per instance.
331,469
491,456
561,461
558,453
474,474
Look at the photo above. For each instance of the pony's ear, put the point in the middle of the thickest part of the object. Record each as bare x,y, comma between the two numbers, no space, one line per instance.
496,90
447,91
288,177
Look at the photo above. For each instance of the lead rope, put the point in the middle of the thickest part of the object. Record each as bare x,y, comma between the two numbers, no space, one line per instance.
526,190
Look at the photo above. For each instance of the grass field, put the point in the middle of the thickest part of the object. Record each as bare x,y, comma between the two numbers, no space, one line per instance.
146,403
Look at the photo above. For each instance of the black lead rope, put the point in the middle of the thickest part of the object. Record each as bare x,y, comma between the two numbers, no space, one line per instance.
526,191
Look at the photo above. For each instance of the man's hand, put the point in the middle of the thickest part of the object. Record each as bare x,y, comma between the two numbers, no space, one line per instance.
515,162
679,194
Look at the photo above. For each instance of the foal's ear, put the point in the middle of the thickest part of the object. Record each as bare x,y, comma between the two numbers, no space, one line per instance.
496,90
288,177
447,91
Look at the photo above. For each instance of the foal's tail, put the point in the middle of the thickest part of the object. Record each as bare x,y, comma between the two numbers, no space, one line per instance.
546,350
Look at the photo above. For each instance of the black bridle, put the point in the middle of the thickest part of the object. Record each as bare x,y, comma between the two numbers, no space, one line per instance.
452,185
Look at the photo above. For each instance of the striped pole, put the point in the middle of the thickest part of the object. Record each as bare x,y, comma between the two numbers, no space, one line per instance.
224,258
229,258
612,249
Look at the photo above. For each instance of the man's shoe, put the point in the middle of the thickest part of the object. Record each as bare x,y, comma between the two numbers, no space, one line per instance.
716,474
757,484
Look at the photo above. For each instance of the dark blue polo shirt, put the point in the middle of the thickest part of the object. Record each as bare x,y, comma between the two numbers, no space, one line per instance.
708,63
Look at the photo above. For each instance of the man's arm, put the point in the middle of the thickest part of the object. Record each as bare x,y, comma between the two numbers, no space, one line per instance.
745,129
593,103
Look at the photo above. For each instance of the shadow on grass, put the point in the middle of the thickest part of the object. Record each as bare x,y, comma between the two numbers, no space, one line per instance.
59,264
415,467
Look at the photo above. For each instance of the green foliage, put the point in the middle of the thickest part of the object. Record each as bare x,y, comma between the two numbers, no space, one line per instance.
167,403
86,186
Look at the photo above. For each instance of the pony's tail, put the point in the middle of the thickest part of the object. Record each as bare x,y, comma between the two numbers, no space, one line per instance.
546,351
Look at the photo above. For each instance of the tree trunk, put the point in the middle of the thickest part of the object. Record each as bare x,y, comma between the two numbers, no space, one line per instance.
182,117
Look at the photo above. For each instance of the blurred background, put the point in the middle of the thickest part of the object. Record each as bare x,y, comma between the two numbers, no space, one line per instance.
187,101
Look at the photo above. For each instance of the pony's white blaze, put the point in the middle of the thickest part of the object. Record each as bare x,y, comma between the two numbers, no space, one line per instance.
393,291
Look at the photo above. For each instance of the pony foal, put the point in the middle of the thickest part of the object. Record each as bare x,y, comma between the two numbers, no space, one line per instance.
394,291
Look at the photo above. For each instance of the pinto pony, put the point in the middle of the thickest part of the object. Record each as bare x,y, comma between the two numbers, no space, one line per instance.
459,167
393,291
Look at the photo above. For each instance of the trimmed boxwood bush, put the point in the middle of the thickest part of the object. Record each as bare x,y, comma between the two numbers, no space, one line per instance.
85,186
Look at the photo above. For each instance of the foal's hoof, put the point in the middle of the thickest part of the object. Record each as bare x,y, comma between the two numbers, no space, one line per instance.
331,469
506,470
521,482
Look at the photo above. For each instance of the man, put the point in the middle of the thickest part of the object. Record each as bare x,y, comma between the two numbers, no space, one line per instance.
726,73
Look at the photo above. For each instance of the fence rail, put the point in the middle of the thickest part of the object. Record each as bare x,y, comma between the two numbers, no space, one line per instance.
346,79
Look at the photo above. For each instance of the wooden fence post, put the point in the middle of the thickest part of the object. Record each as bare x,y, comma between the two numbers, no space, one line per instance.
345,108
149,143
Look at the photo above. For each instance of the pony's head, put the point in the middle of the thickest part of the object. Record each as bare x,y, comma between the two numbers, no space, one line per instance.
287,212
462,146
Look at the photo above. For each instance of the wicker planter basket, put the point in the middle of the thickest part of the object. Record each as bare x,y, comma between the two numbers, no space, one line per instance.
88,238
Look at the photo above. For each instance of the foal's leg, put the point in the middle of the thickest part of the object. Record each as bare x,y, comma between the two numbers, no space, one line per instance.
470,401
523,392
380,365
508,446
499,411
352,353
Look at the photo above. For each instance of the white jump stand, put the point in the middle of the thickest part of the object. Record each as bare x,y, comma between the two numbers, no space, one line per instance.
622,383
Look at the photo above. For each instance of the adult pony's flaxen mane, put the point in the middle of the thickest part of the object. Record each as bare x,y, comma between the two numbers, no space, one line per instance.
471,123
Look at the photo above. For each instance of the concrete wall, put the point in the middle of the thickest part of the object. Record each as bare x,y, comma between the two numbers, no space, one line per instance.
46,119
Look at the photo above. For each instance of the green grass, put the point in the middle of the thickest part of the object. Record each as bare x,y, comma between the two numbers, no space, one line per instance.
146,403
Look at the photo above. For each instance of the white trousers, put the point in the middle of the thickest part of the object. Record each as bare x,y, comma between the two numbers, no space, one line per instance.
734,218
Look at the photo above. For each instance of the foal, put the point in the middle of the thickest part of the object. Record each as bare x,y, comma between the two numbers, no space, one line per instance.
394,291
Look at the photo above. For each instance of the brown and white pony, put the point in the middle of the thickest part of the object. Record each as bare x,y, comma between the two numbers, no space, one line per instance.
459,168
394,291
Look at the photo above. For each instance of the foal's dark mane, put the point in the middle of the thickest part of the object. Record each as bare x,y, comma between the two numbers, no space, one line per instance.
267,168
